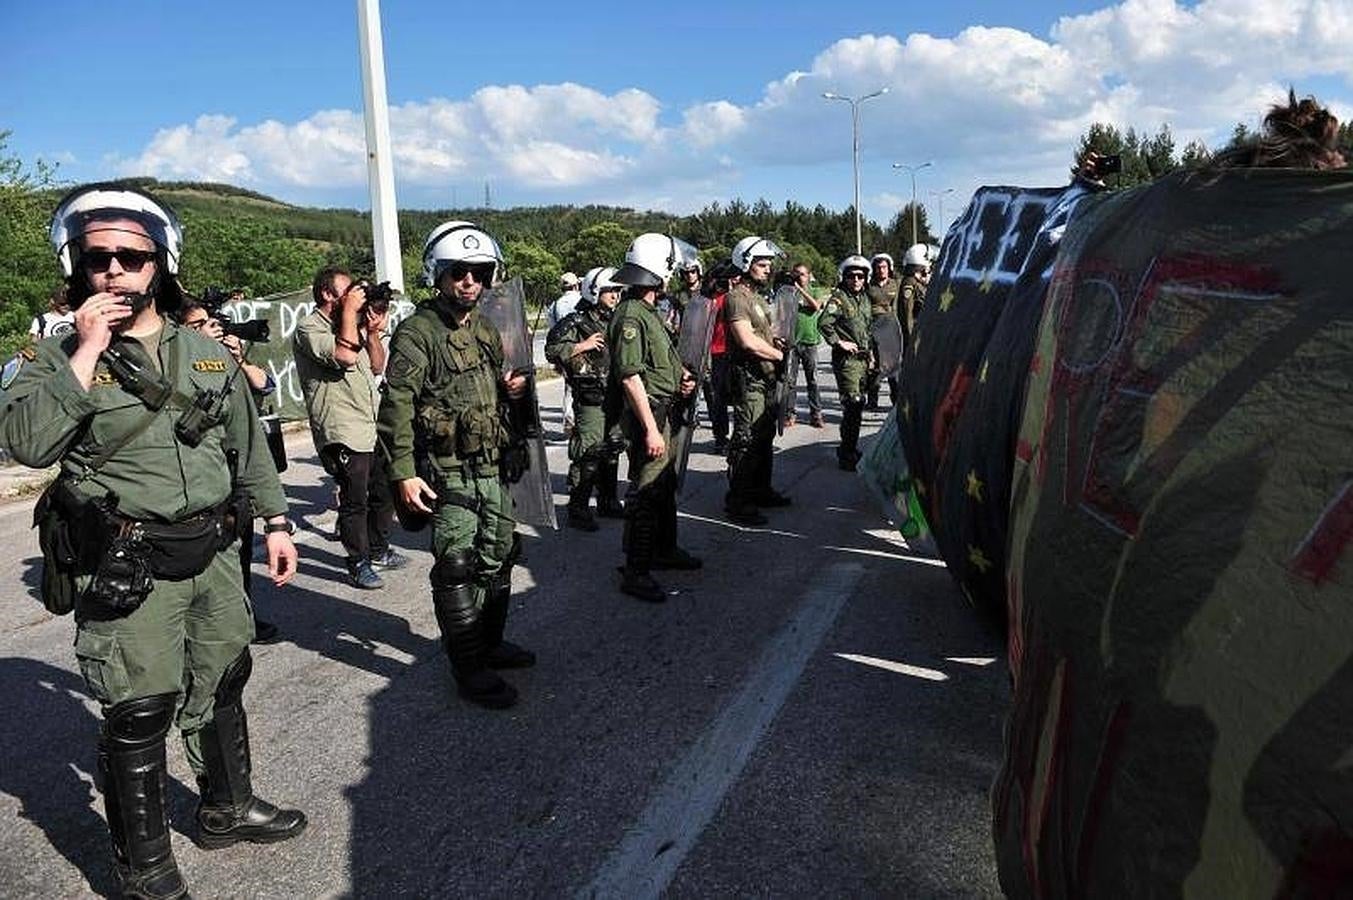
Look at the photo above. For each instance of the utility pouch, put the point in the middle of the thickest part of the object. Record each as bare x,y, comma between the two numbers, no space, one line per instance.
185,549
59,554
590,391
123,578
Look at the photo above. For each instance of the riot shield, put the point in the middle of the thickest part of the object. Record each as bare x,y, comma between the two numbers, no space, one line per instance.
886,333
697,327
504,305
784,316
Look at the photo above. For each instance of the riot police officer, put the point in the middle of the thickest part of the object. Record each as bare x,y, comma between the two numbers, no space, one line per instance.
646,367
145,419
756,367
441,425
577,345
911,296
883,296
845,326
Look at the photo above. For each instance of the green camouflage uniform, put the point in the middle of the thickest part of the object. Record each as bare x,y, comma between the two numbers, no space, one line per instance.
642,345
846,317
910,300
883,297
590,462
439,419
187,633
751,447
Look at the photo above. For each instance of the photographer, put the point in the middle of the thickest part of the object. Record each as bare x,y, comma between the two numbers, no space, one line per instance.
339,353
198,317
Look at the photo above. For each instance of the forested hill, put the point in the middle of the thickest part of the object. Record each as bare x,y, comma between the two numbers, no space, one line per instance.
241,238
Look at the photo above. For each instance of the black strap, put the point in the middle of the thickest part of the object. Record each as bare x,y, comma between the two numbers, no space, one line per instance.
112,447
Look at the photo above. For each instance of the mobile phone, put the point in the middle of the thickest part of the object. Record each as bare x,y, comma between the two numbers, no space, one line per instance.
1110,165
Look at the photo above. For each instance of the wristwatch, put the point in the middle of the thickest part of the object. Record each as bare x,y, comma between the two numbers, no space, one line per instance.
286,525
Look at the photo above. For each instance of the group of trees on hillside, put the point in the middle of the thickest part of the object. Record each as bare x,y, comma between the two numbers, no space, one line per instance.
238,238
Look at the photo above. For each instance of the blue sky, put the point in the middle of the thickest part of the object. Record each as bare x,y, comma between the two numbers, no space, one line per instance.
668,106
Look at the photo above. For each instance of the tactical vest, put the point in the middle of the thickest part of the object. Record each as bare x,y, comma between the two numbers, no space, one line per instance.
586,372
457,416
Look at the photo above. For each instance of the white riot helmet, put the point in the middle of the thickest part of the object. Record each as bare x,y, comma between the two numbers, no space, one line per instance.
598,280
886,257
917,255
854,261
568,281
458,241
652,259
95,207
750,249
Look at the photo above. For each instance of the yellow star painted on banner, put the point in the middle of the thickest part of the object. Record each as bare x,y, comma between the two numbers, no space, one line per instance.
978,559
985,286
975,486
983,376
946,299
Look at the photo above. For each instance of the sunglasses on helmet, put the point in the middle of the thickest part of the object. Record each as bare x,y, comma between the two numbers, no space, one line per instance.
130,260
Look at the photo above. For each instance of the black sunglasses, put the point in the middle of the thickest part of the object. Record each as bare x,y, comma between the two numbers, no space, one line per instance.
855,274
130,260
481,272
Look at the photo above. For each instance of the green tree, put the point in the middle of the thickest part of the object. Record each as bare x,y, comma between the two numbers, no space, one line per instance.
603,244
539,269
28,272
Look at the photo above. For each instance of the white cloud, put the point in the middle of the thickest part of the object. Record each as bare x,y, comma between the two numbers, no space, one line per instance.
987,105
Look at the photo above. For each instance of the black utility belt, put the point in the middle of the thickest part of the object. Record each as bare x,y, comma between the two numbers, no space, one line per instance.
178,550
480,466
588,392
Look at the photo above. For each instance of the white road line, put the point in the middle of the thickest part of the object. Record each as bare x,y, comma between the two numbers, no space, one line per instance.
669,827
893,666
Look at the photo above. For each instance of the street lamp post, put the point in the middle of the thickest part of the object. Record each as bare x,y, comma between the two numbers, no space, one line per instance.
912,170
939,200
855,148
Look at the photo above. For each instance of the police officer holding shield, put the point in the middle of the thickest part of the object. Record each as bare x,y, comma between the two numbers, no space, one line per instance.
148,420
646,366
577,345
757,362
441,424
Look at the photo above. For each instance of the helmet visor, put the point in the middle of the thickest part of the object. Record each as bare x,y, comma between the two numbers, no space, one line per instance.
88,211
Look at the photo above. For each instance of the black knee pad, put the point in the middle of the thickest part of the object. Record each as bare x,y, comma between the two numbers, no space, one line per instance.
133,723
452,570
231,686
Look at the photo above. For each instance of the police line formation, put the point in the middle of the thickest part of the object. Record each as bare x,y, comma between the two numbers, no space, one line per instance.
163,466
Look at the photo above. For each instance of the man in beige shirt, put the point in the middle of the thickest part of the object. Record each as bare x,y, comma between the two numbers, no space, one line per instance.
339,353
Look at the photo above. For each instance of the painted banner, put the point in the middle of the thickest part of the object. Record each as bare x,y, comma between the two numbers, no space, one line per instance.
1127,416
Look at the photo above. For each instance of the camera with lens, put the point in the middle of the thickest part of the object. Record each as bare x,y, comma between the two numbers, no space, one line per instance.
378,297
255,331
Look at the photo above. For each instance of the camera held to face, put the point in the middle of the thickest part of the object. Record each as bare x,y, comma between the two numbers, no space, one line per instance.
378,297
255,331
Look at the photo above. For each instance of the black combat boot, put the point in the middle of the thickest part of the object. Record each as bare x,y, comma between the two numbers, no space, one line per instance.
608,507
667,555
848,453
498,653
132,762
453,600
579,515
229,812
640,534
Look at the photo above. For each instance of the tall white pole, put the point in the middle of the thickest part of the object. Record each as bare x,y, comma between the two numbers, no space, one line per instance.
912,170
855,150
379,156
855,155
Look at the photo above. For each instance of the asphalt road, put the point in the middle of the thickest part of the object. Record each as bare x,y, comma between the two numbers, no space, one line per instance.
816,713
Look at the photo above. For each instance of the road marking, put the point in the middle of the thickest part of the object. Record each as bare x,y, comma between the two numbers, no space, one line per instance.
923,560
972,660
891,666
669,827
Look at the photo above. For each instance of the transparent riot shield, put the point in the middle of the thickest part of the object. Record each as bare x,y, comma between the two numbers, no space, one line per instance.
697,327
886,333
504,305
784,316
